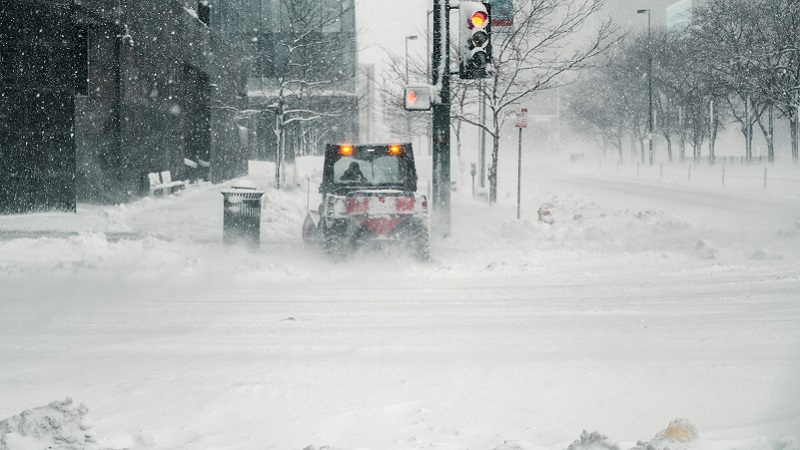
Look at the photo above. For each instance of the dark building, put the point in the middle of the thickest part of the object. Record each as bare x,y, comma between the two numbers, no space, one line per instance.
96,94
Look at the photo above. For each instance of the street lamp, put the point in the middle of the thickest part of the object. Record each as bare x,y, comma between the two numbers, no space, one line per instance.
408,38
428,45
408,116
649,81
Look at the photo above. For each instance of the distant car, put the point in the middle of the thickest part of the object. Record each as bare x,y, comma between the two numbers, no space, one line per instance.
369,194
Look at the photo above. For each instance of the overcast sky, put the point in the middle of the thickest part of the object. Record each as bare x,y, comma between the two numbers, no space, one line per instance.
386,23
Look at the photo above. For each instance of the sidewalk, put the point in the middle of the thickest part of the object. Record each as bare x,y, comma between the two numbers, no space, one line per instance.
194,214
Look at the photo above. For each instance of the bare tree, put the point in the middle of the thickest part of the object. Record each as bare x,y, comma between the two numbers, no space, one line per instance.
738,62
754,46
605,103
782,25
534,56
732,41
305,73
402,123
463,98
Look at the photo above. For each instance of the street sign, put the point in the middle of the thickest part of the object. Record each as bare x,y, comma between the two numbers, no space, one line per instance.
502,14
522,122
522,118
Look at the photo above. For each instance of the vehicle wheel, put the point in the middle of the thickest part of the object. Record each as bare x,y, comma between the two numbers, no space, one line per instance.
331,241
420,242
334,241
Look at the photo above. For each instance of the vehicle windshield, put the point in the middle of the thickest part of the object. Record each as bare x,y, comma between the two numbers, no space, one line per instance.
375,171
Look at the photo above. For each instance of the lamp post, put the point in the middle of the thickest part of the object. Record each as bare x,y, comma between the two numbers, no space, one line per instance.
428,74
408,38
428,45
649,83
408,116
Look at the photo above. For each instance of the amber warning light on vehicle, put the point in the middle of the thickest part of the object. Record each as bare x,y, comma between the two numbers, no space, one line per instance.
395,150
346,150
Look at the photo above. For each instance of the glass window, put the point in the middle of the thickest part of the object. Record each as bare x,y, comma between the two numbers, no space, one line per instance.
331,16
377,171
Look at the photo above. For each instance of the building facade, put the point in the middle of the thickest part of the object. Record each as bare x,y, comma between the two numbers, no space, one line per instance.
303,81
96,94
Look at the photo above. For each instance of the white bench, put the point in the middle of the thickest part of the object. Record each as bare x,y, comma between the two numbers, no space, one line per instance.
161,184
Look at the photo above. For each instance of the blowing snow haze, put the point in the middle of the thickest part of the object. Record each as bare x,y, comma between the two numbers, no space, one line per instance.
167,283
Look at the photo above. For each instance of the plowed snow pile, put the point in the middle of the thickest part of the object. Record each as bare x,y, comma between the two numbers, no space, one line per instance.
635,301
61,425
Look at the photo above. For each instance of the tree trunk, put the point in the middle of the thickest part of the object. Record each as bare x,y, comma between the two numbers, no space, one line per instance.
793,128
279,148
633,148
641,149
682,144
771,135
697,143
682,147
712,142
669,147
768,132
493,167
748,132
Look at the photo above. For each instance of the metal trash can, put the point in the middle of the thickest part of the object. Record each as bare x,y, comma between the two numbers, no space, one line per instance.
241,216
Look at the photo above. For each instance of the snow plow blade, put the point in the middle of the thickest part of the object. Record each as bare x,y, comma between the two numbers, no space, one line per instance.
310,226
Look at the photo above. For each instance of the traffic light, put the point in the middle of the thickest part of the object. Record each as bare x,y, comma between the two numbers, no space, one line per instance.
418,97
475,40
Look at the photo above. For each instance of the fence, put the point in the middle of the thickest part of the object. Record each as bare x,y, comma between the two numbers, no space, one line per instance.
728,173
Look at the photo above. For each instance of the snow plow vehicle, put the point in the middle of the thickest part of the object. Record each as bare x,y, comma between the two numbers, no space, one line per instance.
369,196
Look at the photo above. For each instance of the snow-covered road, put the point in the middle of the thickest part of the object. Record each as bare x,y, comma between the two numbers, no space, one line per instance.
644,302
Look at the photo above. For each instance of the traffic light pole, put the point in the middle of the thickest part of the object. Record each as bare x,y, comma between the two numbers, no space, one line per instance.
482,147
440,74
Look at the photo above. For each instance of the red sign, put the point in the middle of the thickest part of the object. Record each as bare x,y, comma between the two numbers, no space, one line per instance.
522,117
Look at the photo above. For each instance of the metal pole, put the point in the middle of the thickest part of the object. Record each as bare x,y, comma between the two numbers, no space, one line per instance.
683,136
472,172
650,83
482,110
408,116
408,38
428,73
121,77
711,152
441,118
428,42
406,59
558,119
749,129
519,174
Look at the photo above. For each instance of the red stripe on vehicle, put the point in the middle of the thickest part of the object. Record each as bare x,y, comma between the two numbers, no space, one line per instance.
404,203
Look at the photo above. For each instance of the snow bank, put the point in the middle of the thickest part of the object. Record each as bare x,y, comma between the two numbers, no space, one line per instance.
593,441
640,295
680,434
59,425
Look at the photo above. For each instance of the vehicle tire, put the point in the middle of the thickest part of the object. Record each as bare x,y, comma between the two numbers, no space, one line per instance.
420,242
334,240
